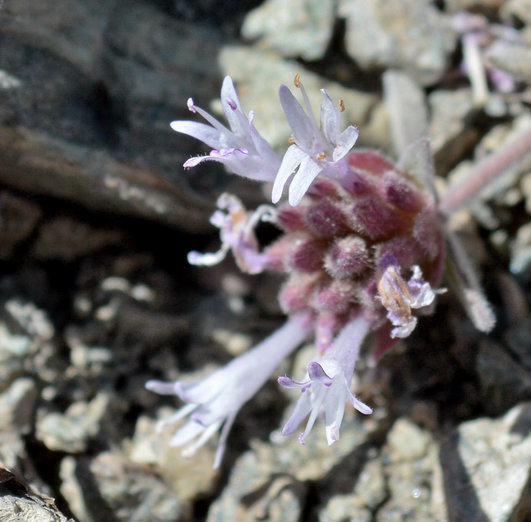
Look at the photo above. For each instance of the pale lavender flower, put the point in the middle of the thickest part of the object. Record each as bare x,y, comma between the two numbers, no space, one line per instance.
236,227
214,402
241,148
399,297
315,149
327,387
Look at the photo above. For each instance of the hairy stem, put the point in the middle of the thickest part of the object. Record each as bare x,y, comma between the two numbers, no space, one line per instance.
464,191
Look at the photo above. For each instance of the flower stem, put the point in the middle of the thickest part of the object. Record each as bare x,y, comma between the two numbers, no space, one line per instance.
464,191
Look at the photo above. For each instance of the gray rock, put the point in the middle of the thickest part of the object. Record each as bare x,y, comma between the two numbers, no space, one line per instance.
297,28
70,432
503,381
66,238
271,478
412,476
486,466
18,503
408,113
449,131
512,58
110,487
17,405
519,8
369,492
18,218
87,110
405,34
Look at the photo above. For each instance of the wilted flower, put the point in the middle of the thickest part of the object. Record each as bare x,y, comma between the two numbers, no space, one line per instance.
362,247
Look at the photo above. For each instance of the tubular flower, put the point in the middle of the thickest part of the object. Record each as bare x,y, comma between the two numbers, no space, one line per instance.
241,149
315,149
348,239
327,386
214,402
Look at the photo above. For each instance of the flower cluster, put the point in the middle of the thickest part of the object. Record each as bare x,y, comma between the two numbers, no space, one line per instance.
362,248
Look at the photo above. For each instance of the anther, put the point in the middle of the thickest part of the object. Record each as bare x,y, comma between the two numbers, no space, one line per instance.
291,141
297,80
341,105
321,156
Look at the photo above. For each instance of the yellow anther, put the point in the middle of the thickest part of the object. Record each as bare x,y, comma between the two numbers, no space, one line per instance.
291,141
341,105
297,80
321,156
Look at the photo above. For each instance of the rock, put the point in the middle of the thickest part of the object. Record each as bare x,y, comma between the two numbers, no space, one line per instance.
298,28
406,441
17,405
188,477
486,466
512,58
110,487
369,492
18,217
285,465
18,503
503,381
87,119
70,432
412,475
407,108
406,34
519,8
67,239
451,135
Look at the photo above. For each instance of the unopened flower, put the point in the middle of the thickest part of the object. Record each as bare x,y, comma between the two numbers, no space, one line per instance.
327,387
241,149
214,402
315,148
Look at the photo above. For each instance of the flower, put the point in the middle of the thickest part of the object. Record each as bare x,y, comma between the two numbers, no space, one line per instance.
344,249
214,402
241,149
236,233
400,297
328,384
315,149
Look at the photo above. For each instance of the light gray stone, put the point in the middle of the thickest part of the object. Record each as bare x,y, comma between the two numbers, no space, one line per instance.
296,28
405,34
486,465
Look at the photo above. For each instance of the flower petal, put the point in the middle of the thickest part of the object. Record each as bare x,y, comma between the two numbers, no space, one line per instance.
304,177
298,120
330,118
345,142
292,159
214,138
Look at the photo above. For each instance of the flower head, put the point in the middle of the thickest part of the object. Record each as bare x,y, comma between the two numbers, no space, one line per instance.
360,228
315,149
241,149
327,386
214,402
236,227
